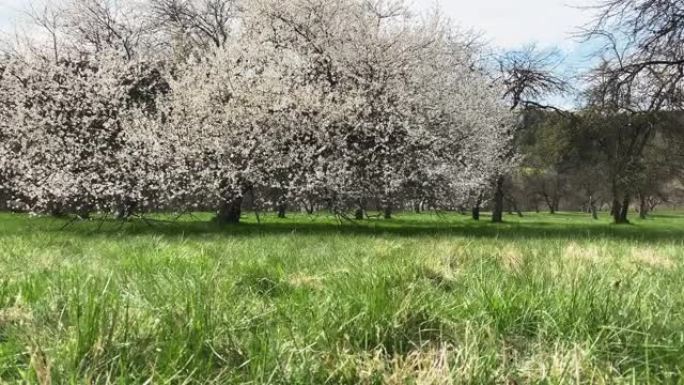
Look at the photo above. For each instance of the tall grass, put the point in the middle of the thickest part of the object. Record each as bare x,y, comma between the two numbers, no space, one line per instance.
422,299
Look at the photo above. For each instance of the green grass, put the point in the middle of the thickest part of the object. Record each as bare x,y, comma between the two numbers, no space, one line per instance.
421,299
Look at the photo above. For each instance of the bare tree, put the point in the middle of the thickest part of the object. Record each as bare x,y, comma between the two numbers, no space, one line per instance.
528,78
196,23
641,74
51,21
98,25
40,34
643,49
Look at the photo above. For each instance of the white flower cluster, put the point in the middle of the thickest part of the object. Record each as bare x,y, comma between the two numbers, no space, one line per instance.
326,101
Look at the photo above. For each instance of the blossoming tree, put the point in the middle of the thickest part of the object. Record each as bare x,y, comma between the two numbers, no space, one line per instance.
336,102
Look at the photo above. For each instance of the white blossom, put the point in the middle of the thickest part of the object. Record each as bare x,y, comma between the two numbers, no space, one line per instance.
327,101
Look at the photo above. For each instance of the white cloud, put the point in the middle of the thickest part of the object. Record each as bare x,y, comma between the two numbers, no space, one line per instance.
10,12
10,7
506,23
513,23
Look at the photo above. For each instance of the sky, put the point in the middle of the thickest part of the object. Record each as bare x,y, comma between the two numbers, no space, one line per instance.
512,23
505,24
8,10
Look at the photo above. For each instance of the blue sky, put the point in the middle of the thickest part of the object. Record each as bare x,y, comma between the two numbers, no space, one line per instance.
511,24
507,24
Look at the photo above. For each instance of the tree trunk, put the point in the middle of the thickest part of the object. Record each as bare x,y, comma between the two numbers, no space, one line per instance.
497,211
556,204
309,207
625,210
592,207
126,209
476,212
416,207
282,210
643,207
84,211
360,211
388,211
517,210
615,210
549,204
652,204
513,206
229,212
56,210
477,207
620,210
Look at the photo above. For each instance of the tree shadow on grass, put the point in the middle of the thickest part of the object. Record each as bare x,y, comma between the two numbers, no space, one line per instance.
559,227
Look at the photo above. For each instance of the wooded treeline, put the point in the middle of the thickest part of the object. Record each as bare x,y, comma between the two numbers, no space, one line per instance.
590,162
622,146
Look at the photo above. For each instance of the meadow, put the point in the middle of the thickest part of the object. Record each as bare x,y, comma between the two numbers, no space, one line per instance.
420,299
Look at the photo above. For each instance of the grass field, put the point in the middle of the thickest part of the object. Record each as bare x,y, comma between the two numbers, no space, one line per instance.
421,299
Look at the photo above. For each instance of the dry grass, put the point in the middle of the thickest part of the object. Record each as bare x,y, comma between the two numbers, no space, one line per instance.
512,258
15,315
652,257
585,252
301,280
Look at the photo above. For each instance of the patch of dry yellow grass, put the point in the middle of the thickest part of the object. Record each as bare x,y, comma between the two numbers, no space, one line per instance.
386,248
445,259
448,364
15,315
561,364
427,366
41,366
421,367
511,258
652,257
304,280
587,252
